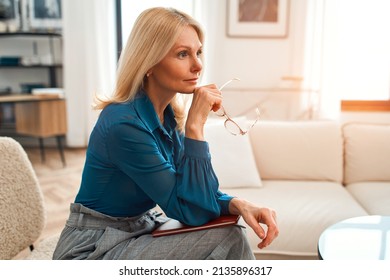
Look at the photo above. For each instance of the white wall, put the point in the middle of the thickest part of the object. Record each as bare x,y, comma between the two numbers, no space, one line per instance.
260,63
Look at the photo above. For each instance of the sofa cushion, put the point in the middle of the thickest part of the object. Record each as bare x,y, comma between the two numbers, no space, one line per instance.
231,156
367,152
304,150
373,196
304,210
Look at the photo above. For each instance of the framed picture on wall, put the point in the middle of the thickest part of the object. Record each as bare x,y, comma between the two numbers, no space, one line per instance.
45,14
9,15
257,18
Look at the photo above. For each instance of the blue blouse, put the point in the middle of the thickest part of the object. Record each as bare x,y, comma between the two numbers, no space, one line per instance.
133,163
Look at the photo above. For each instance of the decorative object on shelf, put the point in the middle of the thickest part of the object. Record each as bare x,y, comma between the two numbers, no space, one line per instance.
28,87
258,18
5,90
9,60
46,59
55,92
30,60
9,16
3,27
45,15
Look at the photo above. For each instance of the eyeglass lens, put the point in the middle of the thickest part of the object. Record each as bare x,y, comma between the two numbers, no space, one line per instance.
230,124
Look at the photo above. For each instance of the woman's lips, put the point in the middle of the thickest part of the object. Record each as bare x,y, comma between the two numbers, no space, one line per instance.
195,80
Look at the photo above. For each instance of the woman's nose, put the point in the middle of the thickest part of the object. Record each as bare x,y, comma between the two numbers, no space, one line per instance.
196,65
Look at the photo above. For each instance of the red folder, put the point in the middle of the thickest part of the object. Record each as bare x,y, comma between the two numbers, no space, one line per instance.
175,227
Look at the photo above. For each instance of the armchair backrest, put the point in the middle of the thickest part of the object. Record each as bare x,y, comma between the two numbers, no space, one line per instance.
22,211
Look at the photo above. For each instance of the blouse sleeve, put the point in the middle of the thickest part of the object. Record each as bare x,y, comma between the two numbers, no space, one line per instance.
188,192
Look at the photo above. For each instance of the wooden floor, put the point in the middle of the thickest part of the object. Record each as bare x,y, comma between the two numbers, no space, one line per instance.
59,184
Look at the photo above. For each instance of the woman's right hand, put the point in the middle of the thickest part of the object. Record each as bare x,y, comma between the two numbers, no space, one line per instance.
205,99
253,215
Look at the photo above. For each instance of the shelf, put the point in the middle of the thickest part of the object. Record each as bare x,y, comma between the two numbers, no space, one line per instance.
14,98
32,66
15,34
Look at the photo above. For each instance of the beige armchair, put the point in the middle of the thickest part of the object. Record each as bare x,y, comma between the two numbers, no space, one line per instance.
22,208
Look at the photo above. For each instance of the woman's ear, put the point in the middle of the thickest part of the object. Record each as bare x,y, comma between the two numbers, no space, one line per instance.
149,72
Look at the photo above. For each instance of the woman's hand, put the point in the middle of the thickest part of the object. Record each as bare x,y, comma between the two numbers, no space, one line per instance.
205,99
253,215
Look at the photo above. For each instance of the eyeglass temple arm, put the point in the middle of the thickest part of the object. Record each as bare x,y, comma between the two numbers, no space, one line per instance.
228,82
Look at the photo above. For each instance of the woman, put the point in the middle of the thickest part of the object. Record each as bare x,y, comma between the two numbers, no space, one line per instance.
144,151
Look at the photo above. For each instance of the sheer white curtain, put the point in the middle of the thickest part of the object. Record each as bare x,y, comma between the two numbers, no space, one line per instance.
318,58
89,61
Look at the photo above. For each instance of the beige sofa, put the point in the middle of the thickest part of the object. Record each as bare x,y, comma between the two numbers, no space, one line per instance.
313,173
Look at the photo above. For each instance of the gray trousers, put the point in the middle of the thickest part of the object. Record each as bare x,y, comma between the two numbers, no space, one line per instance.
92,235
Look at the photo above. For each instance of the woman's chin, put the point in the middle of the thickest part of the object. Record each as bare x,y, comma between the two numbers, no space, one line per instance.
187,90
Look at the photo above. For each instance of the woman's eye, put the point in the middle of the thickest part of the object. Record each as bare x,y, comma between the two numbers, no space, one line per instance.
183,54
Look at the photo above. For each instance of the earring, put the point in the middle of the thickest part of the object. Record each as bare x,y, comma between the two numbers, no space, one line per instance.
148,74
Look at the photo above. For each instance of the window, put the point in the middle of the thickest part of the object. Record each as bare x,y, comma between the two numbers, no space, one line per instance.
129,11
362,48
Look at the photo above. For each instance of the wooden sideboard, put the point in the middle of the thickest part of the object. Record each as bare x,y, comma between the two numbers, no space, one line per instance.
40,116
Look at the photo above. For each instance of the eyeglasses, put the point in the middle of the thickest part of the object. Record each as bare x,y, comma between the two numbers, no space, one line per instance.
230,124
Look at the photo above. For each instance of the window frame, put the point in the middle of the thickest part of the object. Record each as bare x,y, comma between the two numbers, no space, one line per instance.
365,105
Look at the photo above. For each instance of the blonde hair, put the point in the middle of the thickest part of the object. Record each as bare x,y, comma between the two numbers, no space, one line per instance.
153,35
